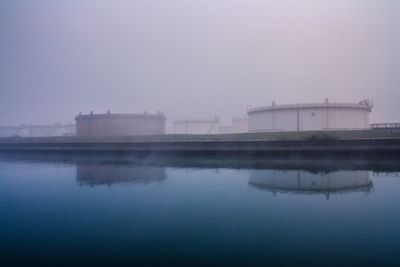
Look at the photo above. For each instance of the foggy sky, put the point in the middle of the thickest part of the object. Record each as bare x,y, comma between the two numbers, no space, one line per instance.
194,59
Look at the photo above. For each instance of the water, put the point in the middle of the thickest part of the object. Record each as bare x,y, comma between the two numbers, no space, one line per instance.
90,210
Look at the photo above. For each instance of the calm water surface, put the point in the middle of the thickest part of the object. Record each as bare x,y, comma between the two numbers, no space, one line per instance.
95,211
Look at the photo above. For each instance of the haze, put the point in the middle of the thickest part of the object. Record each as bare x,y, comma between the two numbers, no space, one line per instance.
194,59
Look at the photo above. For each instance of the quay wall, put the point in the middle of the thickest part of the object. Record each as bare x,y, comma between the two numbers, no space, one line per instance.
311,142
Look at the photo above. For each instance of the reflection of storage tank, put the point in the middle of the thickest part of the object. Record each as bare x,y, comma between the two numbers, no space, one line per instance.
119,124
205,126
93,173
308,117
306,182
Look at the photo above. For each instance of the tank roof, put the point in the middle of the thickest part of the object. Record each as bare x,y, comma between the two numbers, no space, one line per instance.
366,105
110,115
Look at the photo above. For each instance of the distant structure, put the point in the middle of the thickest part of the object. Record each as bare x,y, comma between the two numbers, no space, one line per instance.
38,130
239,125
100,125
202,126
310,117
225,129
8,131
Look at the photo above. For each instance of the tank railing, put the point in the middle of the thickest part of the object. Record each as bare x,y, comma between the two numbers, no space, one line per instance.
385,125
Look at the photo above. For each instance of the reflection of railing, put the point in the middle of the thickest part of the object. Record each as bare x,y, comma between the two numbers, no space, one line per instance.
385,125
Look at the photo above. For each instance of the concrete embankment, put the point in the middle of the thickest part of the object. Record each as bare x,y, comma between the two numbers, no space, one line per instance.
363,142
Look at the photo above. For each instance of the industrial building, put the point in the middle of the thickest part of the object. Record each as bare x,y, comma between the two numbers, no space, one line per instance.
310,117
202,126
100,125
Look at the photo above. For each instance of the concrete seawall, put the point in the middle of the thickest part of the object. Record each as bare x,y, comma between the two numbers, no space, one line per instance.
339,142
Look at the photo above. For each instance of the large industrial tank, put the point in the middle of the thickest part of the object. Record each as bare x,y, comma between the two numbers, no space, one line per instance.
310,117
97,125
196,126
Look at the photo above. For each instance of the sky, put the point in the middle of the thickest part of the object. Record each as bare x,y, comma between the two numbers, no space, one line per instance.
194,59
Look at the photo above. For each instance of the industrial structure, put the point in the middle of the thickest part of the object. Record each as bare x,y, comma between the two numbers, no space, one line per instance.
239,125
201,126
38,130
99,125
310,117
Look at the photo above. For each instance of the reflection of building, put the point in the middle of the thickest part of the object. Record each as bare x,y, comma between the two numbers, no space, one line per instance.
204,126
311,183
94,125
309,117
99,173
38,130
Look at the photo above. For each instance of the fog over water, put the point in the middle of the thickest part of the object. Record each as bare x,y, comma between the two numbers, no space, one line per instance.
194,59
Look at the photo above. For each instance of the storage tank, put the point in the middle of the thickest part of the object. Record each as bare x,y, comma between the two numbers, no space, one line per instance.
98,125
196,126
310,117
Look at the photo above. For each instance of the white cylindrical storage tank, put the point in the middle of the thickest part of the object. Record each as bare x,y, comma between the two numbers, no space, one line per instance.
310,117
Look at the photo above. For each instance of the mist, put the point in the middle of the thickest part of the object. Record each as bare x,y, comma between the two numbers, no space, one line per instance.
194,59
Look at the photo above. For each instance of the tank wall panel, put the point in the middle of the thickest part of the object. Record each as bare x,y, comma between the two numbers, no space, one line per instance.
285,120
261,121
312,119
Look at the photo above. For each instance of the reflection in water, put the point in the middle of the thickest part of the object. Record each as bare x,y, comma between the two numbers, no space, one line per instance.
199,217
311,183
100,173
